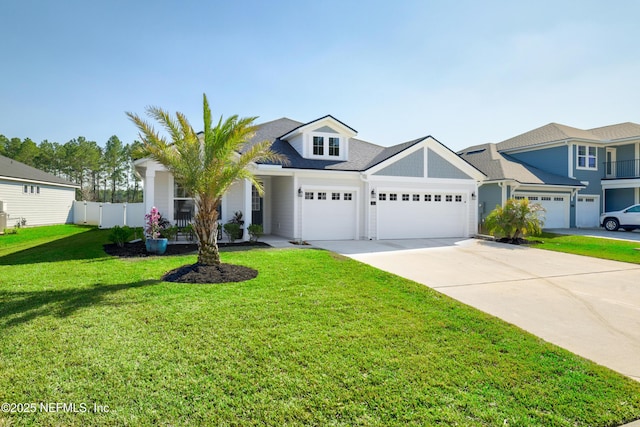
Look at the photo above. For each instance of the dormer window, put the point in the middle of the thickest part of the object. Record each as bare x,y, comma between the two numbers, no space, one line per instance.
334,146
326,146
322,139
318,146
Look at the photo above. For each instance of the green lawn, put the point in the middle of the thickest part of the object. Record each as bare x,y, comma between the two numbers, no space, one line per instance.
316,339
613,249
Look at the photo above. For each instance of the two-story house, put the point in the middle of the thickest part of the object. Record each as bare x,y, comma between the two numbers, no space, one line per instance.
336,186
574,174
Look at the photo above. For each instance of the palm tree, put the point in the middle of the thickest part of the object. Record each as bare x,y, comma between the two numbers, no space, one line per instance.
205,165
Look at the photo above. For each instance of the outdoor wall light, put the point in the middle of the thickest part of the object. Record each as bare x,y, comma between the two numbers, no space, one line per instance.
300,192
473,195
373,194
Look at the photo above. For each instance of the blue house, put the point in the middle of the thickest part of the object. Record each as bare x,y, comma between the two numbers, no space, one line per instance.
574,174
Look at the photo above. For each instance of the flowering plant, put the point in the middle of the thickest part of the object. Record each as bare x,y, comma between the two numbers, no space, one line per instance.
154,220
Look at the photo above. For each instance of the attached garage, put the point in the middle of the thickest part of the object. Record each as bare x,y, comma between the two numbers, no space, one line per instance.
409,214
588,211
556,206
329,214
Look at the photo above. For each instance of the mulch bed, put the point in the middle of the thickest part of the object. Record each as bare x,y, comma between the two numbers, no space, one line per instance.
518,241
138,249
223,273
192,273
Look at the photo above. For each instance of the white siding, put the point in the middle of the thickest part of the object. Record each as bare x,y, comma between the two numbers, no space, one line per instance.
233,202
163,195
282,206
52,206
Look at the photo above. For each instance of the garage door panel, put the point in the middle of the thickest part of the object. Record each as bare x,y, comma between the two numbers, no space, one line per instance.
556,207
329,215
588,211
407,215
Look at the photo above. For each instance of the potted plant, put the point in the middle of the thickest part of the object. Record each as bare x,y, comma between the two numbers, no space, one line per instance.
154,243
255,231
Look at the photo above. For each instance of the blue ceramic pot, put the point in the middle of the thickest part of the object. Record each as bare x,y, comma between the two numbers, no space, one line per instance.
156,246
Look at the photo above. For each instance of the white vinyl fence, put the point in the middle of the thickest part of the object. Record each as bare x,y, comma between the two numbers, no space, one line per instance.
108,215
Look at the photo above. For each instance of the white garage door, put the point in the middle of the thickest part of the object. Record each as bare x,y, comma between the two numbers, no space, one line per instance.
329,215
418,214
588,211
556,206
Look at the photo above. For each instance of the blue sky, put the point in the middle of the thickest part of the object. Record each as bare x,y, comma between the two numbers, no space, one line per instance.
465,72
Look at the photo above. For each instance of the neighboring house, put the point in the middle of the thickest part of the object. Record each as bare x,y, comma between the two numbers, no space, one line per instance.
338,187
574,173
30,194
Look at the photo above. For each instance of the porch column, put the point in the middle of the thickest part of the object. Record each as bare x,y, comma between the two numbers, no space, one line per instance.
149,188
247,209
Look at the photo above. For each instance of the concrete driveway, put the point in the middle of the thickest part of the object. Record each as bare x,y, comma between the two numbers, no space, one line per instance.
586,305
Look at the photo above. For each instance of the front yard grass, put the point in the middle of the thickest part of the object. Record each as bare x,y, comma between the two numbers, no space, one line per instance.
315,339
612,249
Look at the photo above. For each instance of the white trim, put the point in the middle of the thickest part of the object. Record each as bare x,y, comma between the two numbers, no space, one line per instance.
587,157
35,181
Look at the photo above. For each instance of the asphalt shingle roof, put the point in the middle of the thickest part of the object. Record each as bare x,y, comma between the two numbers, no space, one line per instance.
10,168
555,132
362,155
498,166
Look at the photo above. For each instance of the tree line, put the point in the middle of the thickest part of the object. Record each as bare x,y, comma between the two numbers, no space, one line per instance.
103,174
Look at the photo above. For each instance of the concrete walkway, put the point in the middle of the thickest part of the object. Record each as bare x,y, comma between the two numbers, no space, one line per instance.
586,305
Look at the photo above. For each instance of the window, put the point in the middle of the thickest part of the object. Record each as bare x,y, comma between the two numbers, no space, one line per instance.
382,196
348,196
393,197
38,189
437,198
183,206
405,197
322,196
587,157
335,196
558,199
255,199
427,197
25,189
308,195
545,198
318,146
416,197
448,198
334,146
458,198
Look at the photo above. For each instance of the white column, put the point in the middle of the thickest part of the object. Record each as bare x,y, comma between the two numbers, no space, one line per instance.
149,188
247,208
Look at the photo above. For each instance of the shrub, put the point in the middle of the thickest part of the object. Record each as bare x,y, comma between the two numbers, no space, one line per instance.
516,218
232,231
120,235
255,231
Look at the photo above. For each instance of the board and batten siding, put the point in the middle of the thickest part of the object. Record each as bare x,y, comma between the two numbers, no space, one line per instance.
53,205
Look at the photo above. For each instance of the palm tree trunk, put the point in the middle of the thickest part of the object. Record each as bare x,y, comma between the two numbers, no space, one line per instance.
205,226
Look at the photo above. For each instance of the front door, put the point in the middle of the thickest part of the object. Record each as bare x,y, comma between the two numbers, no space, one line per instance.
610,165
257,204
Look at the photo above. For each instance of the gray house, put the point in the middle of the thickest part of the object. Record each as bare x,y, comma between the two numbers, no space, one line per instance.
575,174
37,197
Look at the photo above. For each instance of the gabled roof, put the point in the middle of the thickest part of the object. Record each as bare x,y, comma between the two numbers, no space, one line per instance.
362,155
15,170
555,132
501,167
304,125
